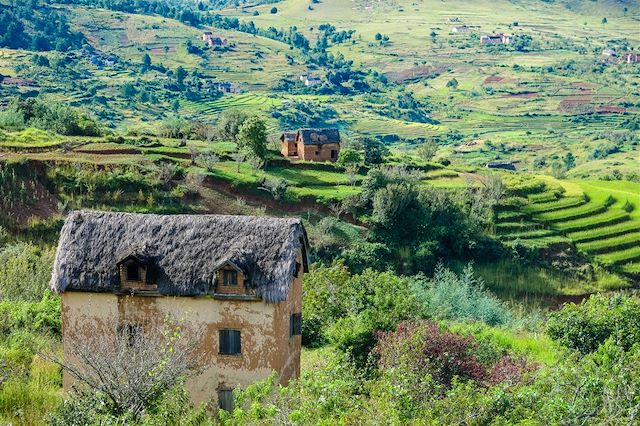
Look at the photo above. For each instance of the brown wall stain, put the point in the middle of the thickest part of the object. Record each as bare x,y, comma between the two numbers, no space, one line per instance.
266,344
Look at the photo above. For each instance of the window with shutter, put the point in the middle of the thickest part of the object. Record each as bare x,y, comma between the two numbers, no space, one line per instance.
295,325
225,399
230,342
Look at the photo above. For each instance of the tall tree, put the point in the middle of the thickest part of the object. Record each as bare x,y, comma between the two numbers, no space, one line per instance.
252,137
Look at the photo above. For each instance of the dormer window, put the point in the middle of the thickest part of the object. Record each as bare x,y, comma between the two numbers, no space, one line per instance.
230,277
136,272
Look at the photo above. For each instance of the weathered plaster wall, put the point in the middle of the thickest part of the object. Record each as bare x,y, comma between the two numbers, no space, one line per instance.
265,342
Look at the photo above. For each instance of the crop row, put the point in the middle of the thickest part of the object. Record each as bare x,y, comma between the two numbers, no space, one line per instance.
622,256
605,231
617,243
558,204
574,213
610,217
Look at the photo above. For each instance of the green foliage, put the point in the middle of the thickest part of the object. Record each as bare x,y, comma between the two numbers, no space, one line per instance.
374,300
461,297
42,317
172,408
349,156
586,326
301,114
328,395
230,123
49,116
374,151
25,271
252,137
29,25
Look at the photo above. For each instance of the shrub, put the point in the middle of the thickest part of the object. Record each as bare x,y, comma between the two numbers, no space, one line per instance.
25,271
460,297
426,350
586,326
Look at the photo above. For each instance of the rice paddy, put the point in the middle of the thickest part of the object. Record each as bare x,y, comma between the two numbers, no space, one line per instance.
603,222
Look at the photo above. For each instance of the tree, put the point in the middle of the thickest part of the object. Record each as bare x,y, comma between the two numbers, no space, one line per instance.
427,150
604,21
374,151
452,84
208,160
378,36
175,127
276,187
146,62
181,74
349,156
132,365
230,123
569,161
274,10
252,137
128,91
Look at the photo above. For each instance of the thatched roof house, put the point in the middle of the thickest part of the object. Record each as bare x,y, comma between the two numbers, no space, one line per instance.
235,281
183,253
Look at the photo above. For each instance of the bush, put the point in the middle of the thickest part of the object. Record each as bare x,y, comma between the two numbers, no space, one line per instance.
373,300
461,297
586,326
54,117
25,271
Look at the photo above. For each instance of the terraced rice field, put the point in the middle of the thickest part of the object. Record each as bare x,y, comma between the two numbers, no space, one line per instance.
243,101
604,222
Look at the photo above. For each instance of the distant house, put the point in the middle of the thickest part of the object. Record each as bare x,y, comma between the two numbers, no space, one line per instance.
461,29
496,39
311,145
631,58
609,55
228,88
214,41
502,165
310,80
237,278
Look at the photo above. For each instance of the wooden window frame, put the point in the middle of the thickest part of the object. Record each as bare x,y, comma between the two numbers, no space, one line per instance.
295,324
230,273
225,346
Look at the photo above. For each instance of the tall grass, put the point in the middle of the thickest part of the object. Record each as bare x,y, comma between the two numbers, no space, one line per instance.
515,280
28,399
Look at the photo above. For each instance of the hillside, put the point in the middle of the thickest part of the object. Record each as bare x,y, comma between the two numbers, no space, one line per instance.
481,194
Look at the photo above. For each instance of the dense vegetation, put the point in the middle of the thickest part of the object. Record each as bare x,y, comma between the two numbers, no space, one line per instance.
30,25
437,284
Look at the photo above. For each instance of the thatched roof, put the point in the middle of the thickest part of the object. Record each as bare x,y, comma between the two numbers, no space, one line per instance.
319,136
288,137
184,250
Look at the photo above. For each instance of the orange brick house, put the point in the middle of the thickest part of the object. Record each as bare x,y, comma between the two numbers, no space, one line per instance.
237,278
311,145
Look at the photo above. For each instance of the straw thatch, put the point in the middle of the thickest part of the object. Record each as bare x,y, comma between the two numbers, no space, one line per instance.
184,251
318,136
